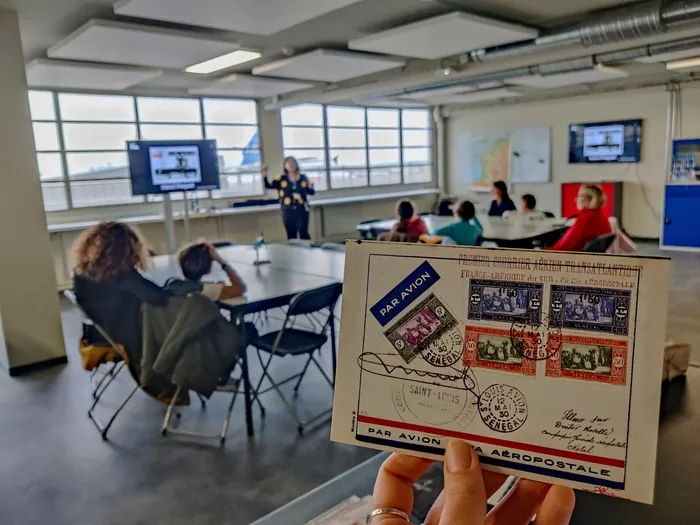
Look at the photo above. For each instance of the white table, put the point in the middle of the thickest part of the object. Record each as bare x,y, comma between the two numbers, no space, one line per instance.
504,232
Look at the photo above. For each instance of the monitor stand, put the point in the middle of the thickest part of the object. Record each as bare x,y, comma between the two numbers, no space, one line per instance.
169,221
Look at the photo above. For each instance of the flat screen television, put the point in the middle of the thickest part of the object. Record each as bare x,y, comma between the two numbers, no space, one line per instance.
164,166
617,141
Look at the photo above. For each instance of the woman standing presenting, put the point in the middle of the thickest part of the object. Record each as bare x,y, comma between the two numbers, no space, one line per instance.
293,188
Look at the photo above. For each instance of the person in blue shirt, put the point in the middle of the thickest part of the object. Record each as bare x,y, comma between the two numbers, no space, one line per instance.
467,229
501,201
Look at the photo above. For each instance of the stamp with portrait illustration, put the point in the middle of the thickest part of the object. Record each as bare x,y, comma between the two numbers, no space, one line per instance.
593,359
498,349
504,301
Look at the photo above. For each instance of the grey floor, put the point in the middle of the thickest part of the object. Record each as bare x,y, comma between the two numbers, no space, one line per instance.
55,469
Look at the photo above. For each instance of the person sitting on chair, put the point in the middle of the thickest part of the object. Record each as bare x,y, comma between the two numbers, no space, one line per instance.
408,223
528,209
196,261
591,222
467,229
501,201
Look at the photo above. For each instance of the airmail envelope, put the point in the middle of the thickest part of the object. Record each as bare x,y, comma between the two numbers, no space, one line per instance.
548,363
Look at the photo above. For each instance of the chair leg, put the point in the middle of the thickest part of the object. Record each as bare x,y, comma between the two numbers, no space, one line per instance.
109,377
323,372
224,430
303,372
169,412
202,400
104,429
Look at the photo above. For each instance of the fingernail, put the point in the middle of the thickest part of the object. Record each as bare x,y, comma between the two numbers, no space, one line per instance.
458,456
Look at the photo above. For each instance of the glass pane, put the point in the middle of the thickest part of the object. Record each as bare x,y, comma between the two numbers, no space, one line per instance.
171,132
168,109
415,118
41,105
307,158
318,179
87,166
233,136
238,161
230,111
102,192
414,174
98,136
346,138
303,137
416,156
239,185
302,115
54,194
50,167
384,176
45,136
348,178
382,138
384,157
348,157
96,107
383,118
416,137
340,116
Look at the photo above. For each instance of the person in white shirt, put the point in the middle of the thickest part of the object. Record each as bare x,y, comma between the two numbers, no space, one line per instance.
528,209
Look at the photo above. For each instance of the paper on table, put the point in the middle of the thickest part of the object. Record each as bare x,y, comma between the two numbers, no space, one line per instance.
548,363
352,511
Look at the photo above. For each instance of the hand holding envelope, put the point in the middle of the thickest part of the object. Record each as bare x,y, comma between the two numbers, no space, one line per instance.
463,501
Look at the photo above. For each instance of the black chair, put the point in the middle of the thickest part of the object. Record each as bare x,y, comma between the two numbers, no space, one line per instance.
222,244
600,244
367,233
548,214
290,341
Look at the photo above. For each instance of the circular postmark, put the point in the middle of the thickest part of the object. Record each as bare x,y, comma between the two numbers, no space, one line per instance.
536,341
503,408
446,351
434,405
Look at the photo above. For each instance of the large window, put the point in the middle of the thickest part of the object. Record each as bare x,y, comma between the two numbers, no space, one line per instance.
81,143
348,147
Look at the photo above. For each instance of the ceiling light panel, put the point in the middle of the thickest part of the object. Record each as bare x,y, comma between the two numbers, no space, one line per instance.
78,75
224,62
134,44
685,65
328,66
250,87
260,17
671,55
420,95
587,76
443,36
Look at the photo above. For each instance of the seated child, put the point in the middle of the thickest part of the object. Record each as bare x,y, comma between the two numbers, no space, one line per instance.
196,261
467,229
528,209
407,222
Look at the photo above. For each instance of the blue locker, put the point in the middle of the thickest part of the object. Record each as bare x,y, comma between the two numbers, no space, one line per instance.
682,216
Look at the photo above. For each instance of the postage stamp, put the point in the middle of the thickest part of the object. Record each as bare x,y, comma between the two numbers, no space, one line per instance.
504,301
590,359
422,327
590,309
497,349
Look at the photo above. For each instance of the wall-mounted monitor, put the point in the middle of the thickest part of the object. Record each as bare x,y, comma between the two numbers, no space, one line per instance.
172,165
618,141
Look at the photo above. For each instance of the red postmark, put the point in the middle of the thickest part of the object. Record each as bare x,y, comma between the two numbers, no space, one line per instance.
591,359
496,349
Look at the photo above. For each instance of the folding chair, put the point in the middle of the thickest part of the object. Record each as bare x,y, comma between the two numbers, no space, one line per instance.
290,341
109,376
333,246
600,244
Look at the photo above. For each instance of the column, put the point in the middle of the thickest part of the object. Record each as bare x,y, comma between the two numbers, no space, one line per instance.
29,308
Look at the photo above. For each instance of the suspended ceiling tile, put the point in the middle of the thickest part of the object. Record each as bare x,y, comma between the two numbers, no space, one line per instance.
64,74
250,86
260,17
587,76
443,36
134,44
328,65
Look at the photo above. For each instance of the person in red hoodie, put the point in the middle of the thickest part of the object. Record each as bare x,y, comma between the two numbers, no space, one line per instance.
591,221
408,223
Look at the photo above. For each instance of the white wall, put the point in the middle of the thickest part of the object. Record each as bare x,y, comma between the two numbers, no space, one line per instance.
639,218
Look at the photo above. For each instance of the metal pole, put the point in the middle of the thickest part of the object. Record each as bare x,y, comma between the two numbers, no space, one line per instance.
170,242
186,201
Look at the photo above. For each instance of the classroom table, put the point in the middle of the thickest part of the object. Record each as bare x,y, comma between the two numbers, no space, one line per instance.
515,232
677,479
269,286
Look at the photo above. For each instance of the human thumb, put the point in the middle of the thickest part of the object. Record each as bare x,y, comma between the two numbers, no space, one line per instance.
464,492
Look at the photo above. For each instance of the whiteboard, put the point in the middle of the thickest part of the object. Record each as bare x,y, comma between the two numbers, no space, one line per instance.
530,155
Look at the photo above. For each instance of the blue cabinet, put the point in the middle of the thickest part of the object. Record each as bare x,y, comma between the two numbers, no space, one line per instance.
681,221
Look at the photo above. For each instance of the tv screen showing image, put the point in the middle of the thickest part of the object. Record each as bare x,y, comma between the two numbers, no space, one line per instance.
619,141
173,165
